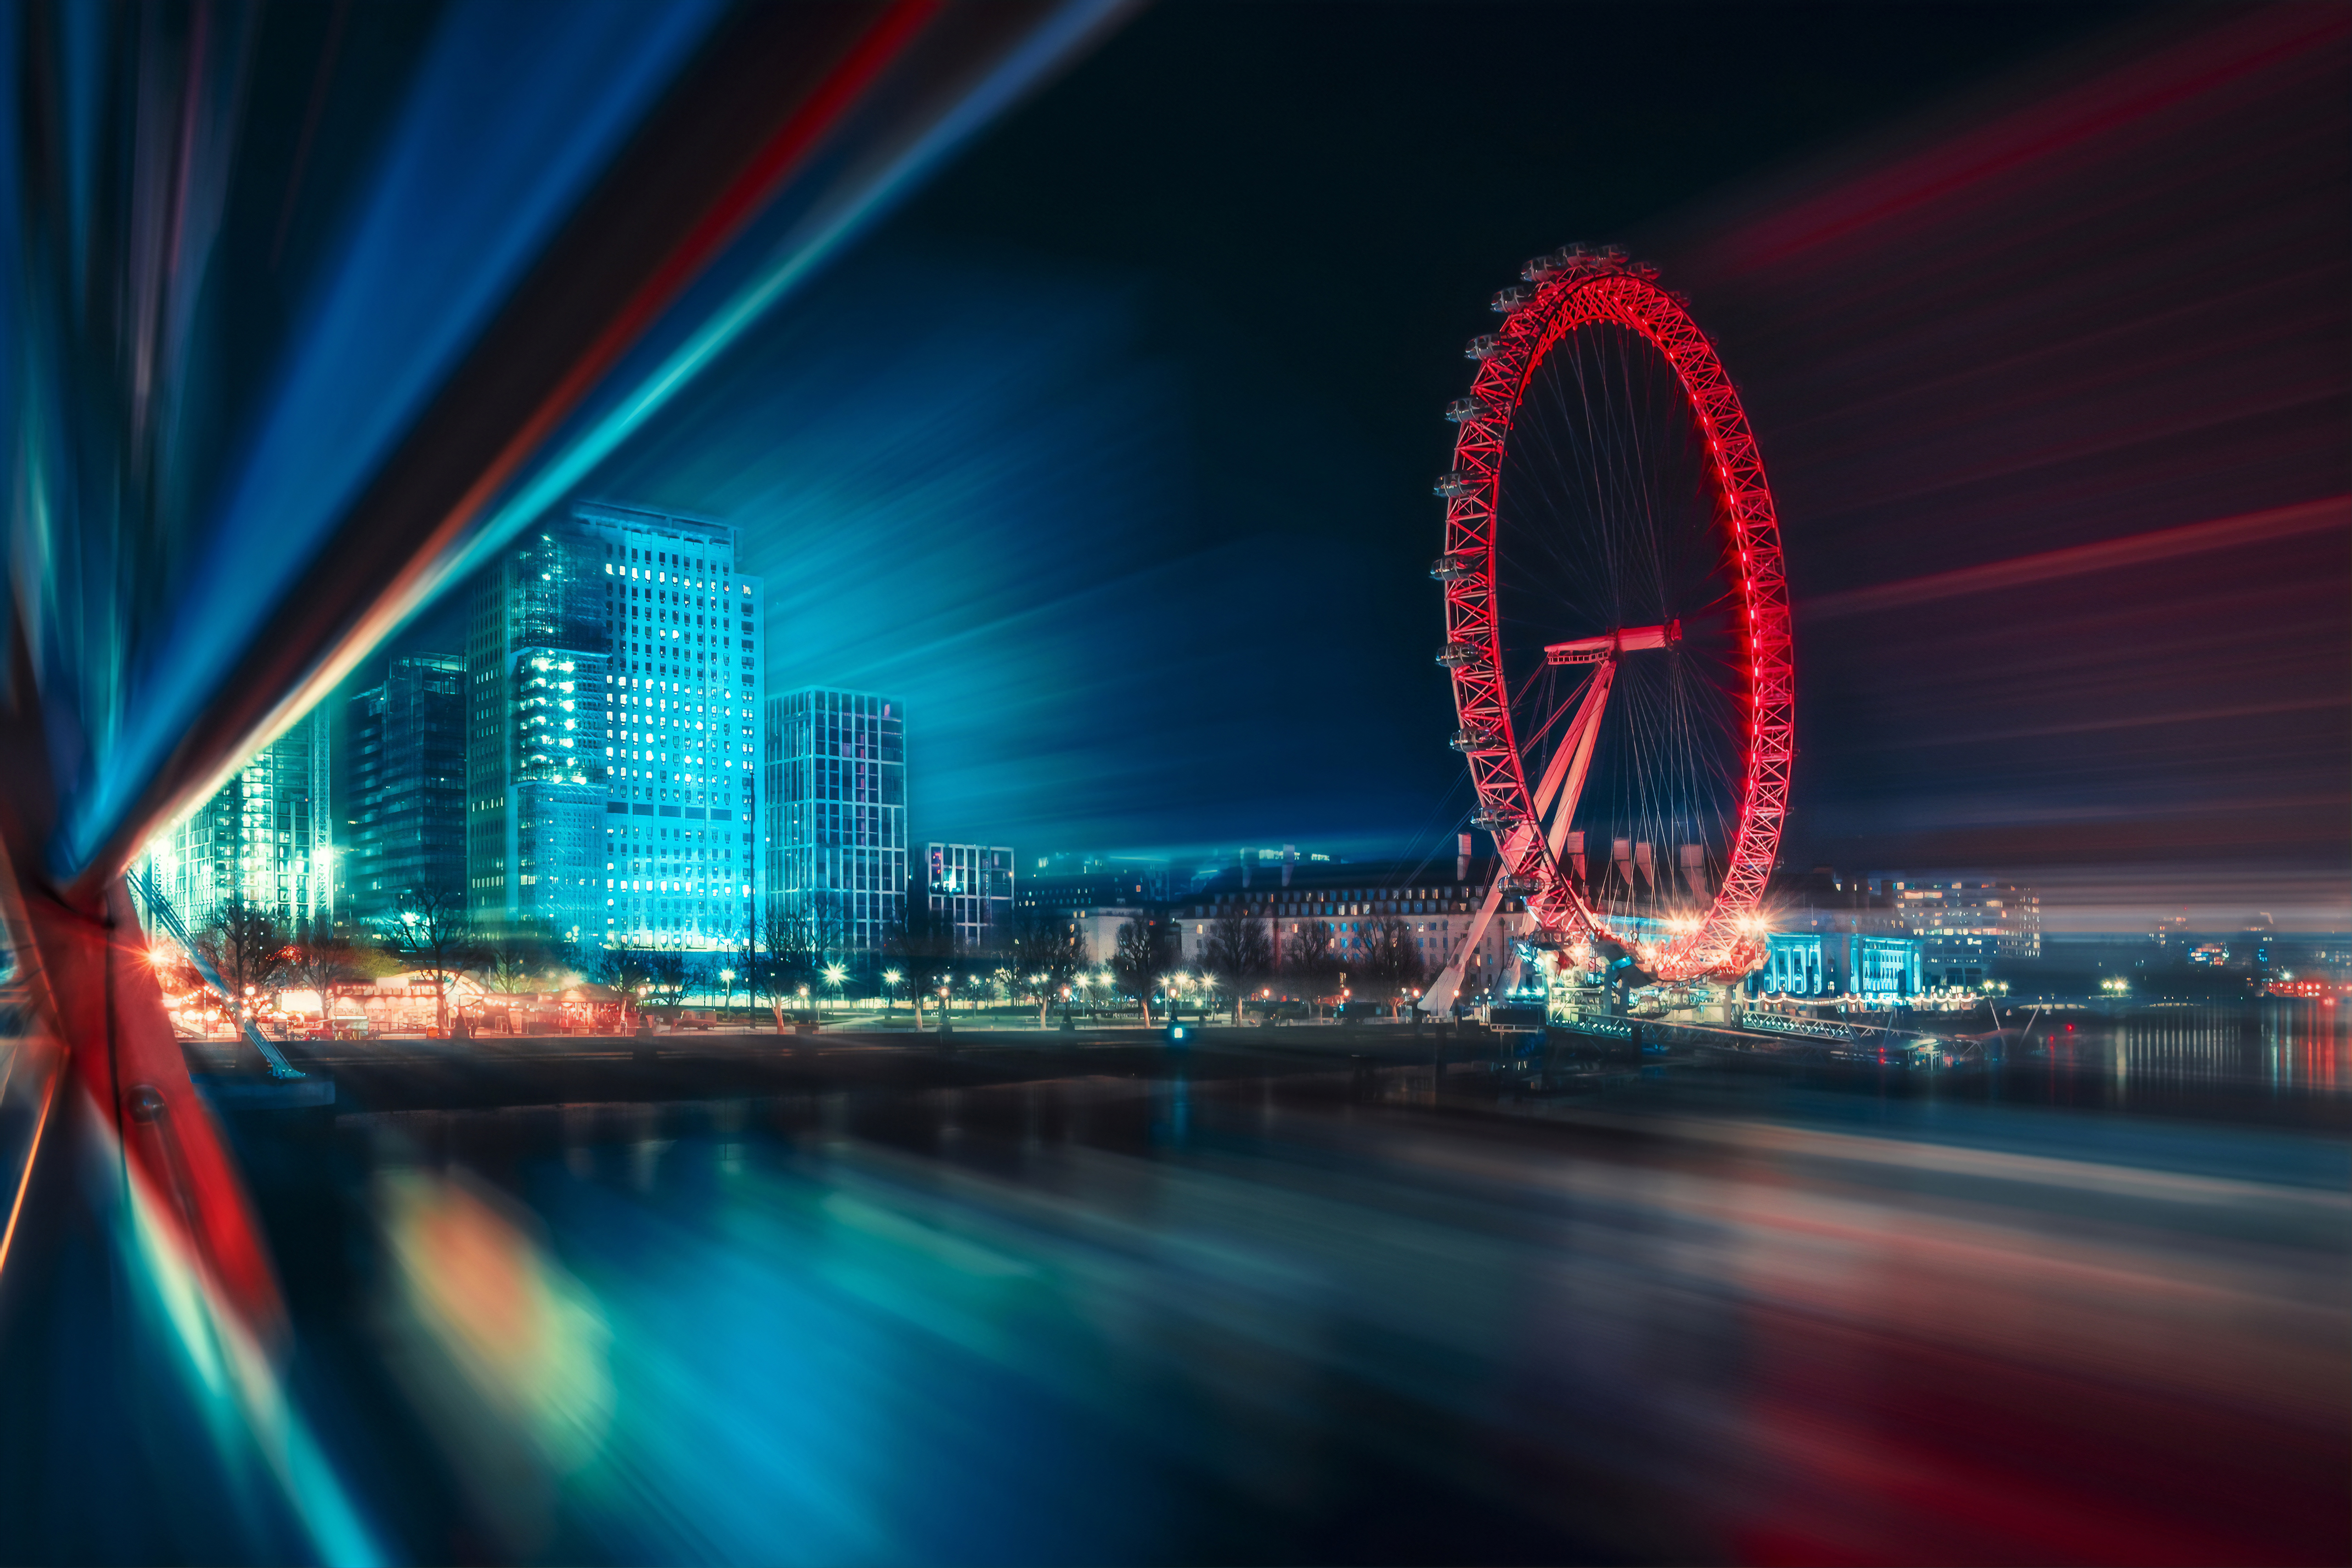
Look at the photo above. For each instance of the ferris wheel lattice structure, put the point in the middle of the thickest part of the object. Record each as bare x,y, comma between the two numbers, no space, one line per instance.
1617,626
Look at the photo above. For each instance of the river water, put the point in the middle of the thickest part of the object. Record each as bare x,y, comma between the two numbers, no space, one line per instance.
2091,1309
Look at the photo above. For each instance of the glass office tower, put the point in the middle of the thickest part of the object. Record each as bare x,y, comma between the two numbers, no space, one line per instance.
615,676
403,803
266,837
836,821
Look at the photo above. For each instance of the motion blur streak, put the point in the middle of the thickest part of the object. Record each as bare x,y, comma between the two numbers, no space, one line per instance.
1021,412
2191,538
278,1483
2036,143
2058,376
811,242
1248,1321
260,384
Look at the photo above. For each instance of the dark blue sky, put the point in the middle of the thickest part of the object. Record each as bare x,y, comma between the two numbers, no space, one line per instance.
1110,451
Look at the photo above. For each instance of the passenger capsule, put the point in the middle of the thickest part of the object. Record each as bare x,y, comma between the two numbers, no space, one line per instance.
1511,300
1455,484
1481,347
1454,655
1473,740
1453,568
1463,410
1551,266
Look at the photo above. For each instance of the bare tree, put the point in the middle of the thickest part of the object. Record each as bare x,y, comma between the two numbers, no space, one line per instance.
514,962
1238,952
625,970
784,958
430,933
669,974
322,963
923,946
326,963
1310,959
1392,965
1047,950
246,947
1143,954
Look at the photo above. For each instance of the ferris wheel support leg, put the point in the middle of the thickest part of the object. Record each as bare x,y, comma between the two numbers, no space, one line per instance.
1439,997
1588,727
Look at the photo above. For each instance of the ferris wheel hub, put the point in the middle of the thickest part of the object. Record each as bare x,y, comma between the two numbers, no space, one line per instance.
1628,640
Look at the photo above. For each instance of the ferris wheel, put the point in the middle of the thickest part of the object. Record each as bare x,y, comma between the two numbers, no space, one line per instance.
1617,626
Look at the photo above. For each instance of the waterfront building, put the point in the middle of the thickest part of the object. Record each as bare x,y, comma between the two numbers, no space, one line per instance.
614,683
1838,964
1966,926
265,838
1837,935
836,830
972,886
404,787
1350,898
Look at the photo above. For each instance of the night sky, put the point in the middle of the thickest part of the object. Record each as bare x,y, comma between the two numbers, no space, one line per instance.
1109,452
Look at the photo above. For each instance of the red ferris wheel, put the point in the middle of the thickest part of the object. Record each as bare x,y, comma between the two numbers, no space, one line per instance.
1617,625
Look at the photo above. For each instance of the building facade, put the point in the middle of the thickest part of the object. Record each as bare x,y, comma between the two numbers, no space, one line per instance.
972,886
1051,893
835,830
1872,967
1349,899
1966,926
1837,935
265,837
404,787
614,685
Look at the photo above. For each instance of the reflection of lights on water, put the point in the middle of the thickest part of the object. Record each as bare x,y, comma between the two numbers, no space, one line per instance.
511,1367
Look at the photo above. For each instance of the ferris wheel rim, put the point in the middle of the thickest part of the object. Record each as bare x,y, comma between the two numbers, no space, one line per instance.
1574,288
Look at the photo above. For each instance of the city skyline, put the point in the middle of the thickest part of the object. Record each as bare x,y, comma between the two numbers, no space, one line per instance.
1256,592
1062,781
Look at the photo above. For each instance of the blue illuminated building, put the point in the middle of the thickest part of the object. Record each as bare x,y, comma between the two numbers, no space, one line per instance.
1837,936
1838,964
836,823
404,787
614,679
970,887
264,840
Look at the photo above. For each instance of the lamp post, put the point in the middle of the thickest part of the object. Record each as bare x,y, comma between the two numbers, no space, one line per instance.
889,990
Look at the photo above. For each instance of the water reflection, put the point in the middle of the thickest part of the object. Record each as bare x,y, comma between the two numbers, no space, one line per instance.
1260,1319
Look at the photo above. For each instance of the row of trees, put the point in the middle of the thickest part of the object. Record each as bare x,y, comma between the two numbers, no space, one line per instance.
795,956
1386,966
255,953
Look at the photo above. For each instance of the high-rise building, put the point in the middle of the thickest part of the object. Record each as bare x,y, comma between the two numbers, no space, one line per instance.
614,681
404,787
266,837
972,886
836,822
